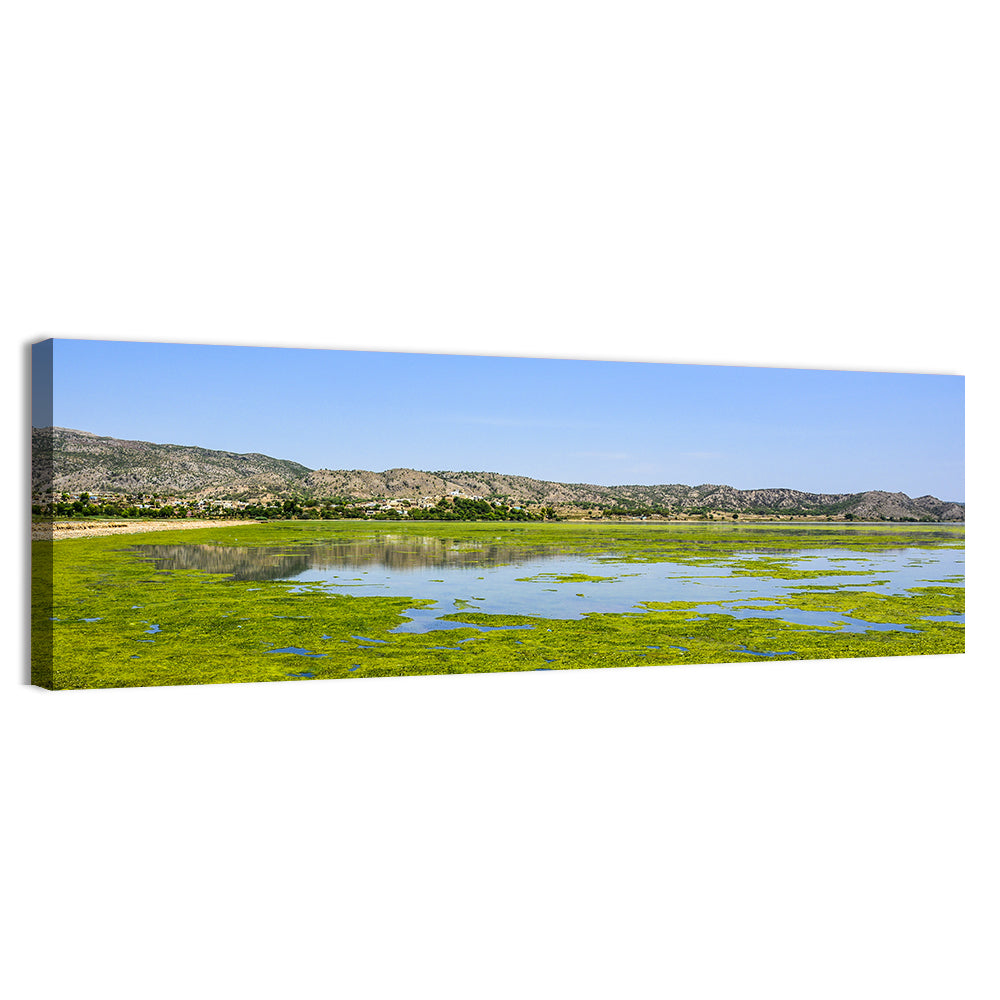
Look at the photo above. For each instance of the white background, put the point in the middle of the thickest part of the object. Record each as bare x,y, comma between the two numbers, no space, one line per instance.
774,184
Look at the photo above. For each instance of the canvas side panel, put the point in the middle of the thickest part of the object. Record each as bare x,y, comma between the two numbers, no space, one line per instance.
41,490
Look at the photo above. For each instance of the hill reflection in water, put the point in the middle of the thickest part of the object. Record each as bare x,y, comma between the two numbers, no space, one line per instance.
397,554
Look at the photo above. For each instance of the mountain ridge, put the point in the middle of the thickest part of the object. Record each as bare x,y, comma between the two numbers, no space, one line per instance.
72,461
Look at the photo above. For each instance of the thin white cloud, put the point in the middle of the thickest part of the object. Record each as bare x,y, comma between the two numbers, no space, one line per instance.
520,422
605,456
645,469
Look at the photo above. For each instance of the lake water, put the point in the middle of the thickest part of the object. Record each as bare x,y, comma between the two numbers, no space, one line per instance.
492,577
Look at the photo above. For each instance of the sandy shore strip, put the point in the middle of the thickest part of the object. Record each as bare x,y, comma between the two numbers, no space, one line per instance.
80,529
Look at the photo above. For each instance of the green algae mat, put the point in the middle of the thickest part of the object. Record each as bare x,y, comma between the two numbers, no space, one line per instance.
305,600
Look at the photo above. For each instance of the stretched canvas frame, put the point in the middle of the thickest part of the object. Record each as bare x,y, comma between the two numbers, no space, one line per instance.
254,566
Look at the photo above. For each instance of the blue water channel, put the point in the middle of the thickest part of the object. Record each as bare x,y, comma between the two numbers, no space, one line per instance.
534,586
537,582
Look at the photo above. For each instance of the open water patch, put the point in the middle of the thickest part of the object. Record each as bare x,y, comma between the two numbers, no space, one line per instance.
423,620
537,582
761,652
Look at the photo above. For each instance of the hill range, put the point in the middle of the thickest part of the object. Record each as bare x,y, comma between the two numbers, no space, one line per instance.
72,461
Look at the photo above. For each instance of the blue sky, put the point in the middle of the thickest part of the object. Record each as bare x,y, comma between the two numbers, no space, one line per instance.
571,421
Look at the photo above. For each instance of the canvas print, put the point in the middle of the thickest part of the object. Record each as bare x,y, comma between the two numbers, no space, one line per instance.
217,514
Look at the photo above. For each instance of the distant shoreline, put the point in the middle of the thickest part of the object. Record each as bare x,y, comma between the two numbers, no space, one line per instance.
56,530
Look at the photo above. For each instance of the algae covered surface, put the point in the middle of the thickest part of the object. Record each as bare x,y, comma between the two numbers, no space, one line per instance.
300,600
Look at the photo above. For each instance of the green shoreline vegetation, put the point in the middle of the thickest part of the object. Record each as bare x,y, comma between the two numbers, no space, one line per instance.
104,617
141,506
451,508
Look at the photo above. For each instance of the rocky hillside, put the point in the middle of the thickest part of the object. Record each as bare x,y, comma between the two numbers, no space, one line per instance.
678,498
73,461
414,484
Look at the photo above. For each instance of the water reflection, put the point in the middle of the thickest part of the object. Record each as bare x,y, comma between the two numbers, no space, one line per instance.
446,577
239,563
390,552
